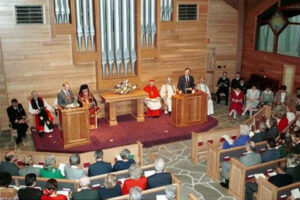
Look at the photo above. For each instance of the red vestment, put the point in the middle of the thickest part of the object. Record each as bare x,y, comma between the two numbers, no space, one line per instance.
152,94
237,106
85,101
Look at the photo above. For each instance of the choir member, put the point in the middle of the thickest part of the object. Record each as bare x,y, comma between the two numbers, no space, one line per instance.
41,112
65,97
153,100
186,82
87,100
223,87
166,92
236,105
204,88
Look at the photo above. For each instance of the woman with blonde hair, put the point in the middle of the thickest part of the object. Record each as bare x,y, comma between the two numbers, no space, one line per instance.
28,167
110,188
136,179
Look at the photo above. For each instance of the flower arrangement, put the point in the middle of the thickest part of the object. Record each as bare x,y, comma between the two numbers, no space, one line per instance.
123,87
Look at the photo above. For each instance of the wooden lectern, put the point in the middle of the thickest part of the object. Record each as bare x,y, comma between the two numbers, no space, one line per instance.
75,126
189,109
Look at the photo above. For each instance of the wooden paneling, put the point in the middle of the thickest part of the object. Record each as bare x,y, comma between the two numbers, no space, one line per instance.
222,34
260,62
3,94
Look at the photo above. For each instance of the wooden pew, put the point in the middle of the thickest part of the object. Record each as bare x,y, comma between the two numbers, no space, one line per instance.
199,141
192,197
268,191
240,172
216,155
86,158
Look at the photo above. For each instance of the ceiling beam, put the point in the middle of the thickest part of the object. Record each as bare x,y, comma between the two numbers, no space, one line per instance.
233,3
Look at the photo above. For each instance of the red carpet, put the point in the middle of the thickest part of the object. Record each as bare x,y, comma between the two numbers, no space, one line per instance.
152,131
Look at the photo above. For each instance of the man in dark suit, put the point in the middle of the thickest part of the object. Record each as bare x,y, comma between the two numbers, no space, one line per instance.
271,153
9,164
296,141
236,82
223,87
30,192
99,167
262,135
85,192
17,119
125,162
186,82
279,180
65,97
160,178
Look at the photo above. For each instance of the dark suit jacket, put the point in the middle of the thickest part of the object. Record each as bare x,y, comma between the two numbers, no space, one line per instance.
296,149
294,172
235,83
281,180
86,194
122,165
104,193
182,85
62,98
98,168
273,132
259,137
29,193
14,114
159,179
9,167
222,82
269,155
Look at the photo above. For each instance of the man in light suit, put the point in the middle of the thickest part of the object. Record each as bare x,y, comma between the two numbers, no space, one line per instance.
72,171
186,82
65,96
99,167
160,178
250,158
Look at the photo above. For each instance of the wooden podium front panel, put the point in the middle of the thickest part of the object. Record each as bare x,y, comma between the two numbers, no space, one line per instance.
195,109
76,130
177,117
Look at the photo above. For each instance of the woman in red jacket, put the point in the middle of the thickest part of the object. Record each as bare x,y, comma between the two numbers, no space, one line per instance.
50,191
136,179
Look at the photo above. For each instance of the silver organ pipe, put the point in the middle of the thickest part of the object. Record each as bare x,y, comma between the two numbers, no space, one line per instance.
68,12
57,10
153,21
102,9
132,36
147,22
110,41
125,29
143,30
117,34
79,24
91,20
86,30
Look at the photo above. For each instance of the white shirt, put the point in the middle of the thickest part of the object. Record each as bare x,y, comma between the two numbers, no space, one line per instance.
282,97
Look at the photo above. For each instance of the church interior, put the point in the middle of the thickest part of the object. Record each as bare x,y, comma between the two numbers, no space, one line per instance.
150,99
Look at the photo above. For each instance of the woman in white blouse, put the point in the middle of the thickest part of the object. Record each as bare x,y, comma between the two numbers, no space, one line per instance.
252,100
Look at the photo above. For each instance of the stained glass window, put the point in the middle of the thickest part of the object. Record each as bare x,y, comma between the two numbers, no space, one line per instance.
277,22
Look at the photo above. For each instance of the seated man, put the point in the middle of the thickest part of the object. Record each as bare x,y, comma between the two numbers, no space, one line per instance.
240,141
65,97
125,162
204,88
251,158
100,167
17,119
236,82
9,165
30,192
5,191
296,142
153,100
135,193
281,97
223,88
73,171
41,111
273,130
28,167
87,100
261,134
166,92
160,178
279,180
85,192
110,188
293,166
271,153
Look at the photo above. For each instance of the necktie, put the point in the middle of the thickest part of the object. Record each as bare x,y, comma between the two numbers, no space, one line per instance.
68,96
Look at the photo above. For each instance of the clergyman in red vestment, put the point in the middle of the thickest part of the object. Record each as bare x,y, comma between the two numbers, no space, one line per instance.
153,100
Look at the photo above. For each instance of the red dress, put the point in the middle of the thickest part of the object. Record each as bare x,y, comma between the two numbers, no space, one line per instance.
237,106
129,183
283,123
84,101
58,197
152,93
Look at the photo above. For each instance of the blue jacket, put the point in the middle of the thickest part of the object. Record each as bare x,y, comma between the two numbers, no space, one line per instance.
122,165
99,168
269,155
104,193
240,141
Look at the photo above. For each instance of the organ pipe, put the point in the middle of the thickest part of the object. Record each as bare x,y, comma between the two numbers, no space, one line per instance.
103,35
86,30
79,24
142,22
57,10
153,21
147,22
125,29
63,11
91,20
169,10
117,29
110,41
132,36
67,11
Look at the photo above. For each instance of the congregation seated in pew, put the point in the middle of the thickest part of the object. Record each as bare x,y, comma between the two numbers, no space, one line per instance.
261,134
73,171
136,179
28,167
30,191
293,166
9,164
135,193
271,153
85,192
110,187
49,170
50,191
240,141
296,140
160,177
124,162
99,167
5,191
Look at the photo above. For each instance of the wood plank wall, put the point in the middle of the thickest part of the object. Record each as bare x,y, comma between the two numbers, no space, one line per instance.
260,62
222,33
3,94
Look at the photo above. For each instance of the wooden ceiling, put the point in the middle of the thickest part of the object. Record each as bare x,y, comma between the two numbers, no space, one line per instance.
250,4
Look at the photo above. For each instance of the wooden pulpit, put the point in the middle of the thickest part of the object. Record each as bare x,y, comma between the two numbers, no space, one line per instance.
189,109
75,127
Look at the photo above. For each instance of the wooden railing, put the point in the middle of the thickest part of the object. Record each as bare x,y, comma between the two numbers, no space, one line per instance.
192,197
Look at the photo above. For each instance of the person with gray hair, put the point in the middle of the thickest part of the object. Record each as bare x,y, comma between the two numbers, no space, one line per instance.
125,162
110,188
100,167
85,192
262,133
240,141
160,178
170,192
136,179
49,170
293,166
28,167
135,193
73,171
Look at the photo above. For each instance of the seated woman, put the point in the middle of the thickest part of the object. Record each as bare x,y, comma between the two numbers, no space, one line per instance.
252,100
125,162
50,191
241,140
136,179
28,167
267,97
282,120
236,105
87,100
49,170
110,188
